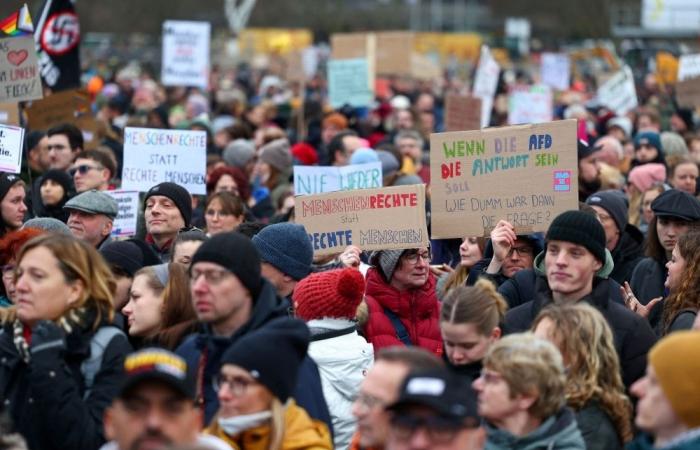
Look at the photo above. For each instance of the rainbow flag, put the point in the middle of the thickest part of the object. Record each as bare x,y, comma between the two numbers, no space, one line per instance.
18,23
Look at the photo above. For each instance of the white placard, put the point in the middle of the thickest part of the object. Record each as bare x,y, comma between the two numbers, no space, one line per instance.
618,93
485,83
555,70
671,15
125,222
530,104
348,83
152,156
321,179
185,53
11,144
688,67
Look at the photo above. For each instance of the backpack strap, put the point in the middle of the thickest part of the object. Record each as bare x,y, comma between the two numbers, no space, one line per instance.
91,365
401,331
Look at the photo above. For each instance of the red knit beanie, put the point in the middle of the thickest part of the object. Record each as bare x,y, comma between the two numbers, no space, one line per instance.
332,294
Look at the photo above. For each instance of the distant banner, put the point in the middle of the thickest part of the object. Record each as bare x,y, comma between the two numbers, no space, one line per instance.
618,93
530,104
185,53
371,219
349,83
128,212
555,70
525,174
57,37
152,156
19,70
462,113
485,84
321,179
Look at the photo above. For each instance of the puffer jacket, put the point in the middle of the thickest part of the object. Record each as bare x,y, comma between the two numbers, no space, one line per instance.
343,361
418,310
559,432
300,433
45,398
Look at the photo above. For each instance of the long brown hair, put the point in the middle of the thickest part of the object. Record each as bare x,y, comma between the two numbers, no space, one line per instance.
687,296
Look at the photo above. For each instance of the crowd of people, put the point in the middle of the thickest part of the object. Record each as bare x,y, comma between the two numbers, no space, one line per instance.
216,326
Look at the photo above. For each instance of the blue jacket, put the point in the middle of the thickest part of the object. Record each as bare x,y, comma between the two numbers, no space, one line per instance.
206,348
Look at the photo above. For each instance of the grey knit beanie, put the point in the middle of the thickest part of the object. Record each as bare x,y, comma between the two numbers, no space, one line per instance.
386,260
239,153
277,154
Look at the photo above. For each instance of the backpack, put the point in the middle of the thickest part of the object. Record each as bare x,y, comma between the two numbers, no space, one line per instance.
92,365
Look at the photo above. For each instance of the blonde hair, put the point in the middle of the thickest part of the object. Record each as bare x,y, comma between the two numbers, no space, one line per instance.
533,367
459,276
480,305
587,343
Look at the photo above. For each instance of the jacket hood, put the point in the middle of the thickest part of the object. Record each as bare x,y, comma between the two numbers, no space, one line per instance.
557,432
603,272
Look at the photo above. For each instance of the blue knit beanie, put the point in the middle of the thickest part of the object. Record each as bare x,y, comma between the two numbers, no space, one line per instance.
287,247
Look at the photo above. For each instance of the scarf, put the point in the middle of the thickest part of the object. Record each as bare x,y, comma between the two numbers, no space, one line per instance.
237,424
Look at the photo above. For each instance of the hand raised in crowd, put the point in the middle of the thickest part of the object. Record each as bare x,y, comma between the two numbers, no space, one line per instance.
503,238
441,269
350,256
635,305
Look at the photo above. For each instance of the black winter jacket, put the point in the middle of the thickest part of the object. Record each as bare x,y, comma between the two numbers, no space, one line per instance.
627,254
647,283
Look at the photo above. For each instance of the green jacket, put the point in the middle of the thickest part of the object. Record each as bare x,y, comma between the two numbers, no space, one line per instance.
558,432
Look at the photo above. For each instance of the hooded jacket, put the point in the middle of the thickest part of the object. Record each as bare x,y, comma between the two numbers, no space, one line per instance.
558,432
417,309
343,361
633,335
202,351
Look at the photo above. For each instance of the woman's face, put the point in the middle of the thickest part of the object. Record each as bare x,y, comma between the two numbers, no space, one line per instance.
144,309
469,252
41,288
648,198
646,153
8,280
676,266
240,394
684,177
184,252
219,221
464,344
226,183
51,193
263,171
669,230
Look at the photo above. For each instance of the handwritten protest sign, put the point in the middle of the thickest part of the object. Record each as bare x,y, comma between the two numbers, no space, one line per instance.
372,219
11,144
349,83
526,174
555,70
321,179
688,93
185,53
529,104
127,216
20,79
9,113
462,113
485,83
61,107
618,92
152,156
688,67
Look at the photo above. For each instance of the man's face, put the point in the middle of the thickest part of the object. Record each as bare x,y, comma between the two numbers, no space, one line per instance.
409,147
612,233
570,269
379,389
217,294
420,428
350,144
646,153
162,216
60,154
284,284
43,149
520,257
153,416
412,270
89,174
91,228
404,120
589,168
12,207
654,412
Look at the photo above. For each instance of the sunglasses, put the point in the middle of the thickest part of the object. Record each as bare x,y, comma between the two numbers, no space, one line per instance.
83,169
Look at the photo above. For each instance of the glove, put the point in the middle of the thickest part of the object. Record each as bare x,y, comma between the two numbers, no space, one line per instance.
47,339
260,194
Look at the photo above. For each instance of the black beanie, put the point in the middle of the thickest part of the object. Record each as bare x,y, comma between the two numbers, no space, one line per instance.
124,255
272,354
236,253
579,228
61,177
615,203
176,193
7,180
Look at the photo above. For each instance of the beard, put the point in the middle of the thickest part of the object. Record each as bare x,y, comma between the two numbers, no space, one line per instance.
586,188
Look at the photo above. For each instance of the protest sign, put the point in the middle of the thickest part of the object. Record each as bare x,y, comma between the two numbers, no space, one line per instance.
348,45
11,144
462,113
152,156
394,53
20,79
618,92
688,67
372,219
186,53
128,212
525,174
688,93
321,179
61,107
9,113
555,70
349,83
485,83
529,104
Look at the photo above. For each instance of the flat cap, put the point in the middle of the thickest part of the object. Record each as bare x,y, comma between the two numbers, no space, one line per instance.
93,202
678,204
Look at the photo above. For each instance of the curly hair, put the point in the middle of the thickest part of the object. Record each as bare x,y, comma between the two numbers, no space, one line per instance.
587,346
687,295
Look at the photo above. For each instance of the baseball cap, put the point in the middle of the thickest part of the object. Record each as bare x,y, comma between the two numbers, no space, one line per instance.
156,364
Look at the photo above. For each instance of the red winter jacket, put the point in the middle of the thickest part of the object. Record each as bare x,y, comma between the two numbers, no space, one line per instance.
418,310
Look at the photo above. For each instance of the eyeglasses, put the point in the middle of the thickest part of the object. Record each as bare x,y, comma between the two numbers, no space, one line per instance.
237,385
369,401
215,213
525,250
439,430
490,377
8,271
413,256
83,169
211,276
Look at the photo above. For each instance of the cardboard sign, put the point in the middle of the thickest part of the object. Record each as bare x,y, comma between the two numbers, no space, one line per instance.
348,45
20,78
394,53
688,93
11,145
61,107
555,70
372,219
152,156
485,83
9,114
529,104
125,222
186,53
321,179
618,92
462,113
349,83
526,174
688,67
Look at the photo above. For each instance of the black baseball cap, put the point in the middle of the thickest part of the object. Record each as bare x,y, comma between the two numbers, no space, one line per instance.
156,364
677,204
